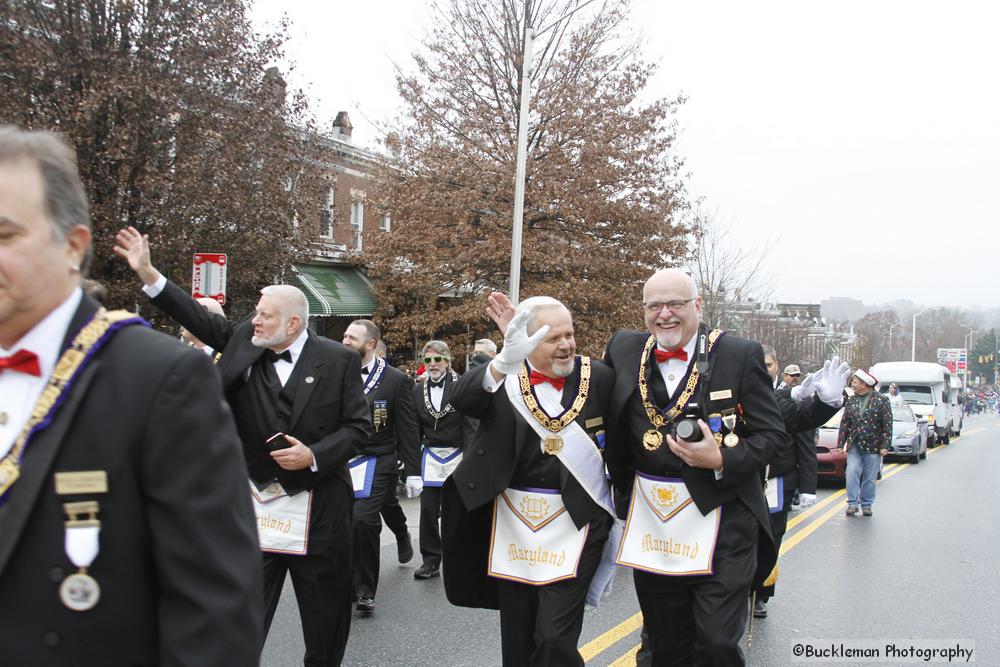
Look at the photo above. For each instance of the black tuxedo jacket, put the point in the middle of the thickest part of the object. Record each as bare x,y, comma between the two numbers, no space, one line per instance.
487,467
796,460
329,414
394,431
737,368
454,429
179,564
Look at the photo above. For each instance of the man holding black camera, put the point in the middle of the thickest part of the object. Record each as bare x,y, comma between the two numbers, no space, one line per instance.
693,420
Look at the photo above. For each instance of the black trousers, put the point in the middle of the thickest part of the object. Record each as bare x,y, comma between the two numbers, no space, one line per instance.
430,532
322,582
392,513
367,529
540,625
700,620
779,524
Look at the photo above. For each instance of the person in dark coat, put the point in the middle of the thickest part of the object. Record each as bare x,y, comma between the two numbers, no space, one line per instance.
701,495
528,513
301,415
127,534
389,393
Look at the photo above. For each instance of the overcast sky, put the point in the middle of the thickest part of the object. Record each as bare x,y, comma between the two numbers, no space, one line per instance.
863,138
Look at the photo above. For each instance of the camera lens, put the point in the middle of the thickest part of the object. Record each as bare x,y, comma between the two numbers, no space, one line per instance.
688,430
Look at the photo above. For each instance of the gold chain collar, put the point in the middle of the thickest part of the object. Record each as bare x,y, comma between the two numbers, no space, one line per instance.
657,419
66,368
567,417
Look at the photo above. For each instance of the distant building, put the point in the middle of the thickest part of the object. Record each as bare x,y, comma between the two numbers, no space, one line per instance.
843,309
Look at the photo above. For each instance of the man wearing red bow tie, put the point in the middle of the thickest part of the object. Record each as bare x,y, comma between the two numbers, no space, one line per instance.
127,534
528,513
697,526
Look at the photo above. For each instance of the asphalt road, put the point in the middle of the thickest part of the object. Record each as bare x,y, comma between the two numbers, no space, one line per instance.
923,568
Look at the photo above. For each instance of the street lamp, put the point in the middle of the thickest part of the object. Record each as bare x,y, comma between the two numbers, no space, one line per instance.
967,341
522,146
913,345
897,324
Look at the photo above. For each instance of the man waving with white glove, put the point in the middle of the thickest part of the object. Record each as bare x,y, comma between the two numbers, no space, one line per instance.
543,416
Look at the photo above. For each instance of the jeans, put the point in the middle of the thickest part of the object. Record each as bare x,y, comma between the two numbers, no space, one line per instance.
861,472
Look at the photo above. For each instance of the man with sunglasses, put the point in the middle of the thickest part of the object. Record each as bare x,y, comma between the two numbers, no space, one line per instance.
389,393
697,529
444,433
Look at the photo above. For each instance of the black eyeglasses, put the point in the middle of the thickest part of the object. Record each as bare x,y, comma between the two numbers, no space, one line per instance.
435,360
674,306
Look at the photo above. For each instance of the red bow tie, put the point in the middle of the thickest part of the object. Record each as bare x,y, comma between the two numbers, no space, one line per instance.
22,361
663,355
538,378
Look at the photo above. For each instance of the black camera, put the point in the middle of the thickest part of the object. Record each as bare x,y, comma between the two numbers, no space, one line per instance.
687,428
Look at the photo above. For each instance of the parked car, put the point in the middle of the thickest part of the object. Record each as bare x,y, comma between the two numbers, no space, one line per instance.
831,461
909,435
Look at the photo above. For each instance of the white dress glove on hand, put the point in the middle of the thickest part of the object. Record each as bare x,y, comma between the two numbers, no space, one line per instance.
806,499
414,485
804,390
830,386
517,345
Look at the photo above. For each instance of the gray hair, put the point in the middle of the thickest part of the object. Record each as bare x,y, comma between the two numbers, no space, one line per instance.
438,346
64,195
769,351
490,346
535,304
292,303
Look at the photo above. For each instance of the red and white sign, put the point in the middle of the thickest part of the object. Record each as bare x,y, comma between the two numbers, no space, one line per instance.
208,276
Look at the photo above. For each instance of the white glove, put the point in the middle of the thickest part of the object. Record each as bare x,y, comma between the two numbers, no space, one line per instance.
414,485
517,345
833,378
805,389
806,499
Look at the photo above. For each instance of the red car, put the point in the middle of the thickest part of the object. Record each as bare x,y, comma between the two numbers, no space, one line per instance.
831,461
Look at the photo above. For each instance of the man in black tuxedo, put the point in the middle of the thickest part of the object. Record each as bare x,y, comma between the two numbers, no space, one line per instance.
509,468
443,435
804,407
100,422
394,435
694,616
301,415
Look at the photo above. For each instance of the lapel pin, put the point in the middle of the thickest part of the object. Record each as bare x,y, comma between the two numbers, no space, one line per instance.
309,379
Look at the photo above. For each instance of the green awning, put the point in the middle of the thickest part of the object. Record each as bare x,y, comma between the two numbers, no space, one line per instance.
335,291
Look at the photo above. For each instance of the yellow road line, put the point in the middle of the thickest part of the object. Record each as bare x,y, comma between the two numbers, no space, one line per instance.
603,642
614,635
628,659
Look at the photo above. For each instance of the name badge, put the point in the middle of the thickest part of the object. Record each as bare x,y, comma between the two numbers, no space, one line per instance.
85,481
596,421
719,395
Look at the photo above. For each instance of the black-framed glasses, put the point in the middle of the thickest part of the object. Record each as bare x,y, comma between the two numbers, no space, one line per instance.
435,360
675,306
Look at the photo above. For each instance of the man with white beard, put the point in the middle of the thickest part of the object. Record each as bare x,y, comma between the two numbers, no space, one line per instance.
527,515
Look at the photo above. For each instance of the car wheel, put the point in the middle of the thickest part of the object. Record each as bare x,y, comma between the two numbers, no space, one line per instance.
915,459
947,437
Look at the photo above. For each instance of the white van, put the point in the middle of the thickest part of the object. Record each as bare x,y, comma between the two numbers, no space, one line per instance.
928,389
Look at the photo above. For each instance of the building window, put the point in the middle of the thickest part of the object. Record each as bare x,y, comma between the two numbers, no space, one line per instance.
386,223
357,225
326,216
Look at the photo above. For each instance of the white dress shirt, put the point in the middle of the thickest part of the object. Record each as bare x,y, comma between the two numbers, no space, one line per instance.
673,370
19,391
437,394
549,398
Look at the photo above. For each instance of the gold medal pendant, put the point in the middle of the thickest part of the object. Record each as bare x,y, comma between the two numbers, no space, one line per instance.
731,440
553,445
79,592
652,440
